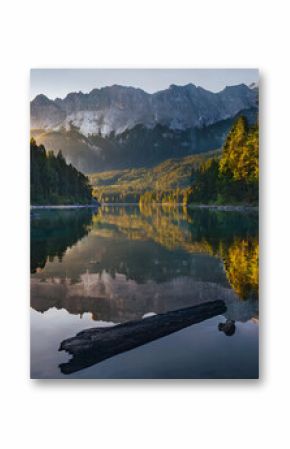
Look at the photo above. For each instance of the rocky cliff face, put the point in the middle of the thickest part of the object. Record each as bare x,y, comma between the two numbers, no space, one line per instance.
45,113
139,146
116,109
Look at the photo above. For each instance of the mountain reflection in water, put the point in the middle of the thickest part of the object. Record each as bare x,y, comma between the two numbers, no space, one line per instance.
123,262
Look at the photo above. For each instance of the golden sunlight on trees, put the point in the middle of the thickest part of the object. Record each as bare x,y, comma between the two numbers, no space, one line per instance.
241,261
166,226
235,176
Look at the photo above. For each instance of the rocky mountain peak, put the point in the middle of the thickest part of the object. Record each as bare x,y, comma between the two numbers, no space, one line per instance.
117,108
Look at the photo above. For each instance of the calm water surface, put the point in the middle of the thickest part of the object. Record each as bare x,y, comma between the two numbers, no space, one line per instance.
100,268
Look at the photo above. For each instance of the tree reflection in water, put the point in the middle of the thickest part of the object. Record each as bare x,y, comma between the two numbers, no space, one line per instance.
53,231
230,236
121,263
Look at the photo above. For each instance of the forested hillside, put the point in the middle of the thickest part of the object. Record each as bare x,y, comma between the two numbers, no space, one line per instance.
230,176
53,181
166,181
234,177
218,177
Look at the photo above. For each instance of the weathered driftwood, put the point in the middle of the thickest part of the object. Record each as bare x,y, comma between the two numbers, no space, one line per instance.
91,346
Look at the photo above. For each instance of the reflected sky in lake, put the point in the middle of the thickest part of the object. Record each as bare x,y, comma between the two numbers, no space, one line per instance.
100,268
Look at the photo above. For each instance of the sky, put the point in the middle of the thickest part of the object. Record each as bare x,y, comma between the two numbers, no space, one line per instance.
59,82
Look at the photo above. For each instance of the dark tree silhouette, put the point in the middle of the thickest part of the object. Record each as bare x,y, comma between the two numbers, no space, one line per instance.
53,181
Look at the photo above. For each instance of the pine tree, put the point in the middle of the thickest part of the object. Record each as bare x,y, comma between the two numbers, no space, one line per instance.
53,181
235,177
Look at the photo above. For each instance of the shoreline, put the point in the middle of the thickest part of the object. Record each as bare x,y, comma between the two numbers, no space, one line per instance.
226,207
220,207
65,206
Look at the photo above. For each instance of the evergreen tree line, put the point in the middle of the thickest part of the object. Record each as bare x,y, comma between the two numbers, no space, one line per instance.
53,181
234,177
177,196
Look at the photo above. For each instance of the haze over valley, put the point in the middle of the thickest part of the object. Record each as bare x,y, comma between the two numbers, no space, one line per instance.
121,127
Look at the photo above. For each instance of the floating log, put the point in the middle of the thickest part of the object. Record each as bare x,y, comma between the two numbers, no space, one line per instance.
94,345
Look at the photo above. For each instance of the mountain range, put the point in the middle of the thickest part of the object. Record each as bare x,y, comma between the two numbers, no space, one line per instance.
121,127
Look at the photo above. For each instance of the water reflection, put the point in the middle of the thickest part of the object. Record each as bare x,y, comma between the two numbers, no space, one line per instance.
123,262
52,232
231,236
94,345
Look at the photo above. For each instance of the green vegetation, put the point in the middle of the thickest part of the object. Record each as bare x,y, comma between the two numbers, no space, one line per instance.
227,177
76,148
234,177
53,181
166,182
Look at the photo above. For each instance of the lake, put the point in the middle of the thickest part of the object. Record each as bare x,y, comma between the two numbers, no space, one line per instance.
99,268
